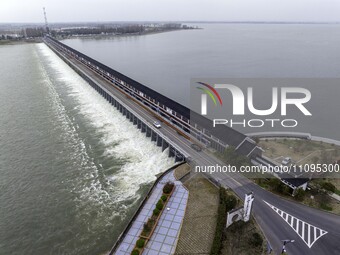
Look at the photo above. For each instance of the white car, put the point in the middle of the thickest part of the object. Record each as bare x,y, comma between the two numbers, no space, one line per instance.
286,161
157,124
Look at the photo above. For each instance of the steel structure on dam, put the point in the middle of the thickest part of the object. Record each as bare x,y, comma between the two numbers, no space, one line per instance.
171,112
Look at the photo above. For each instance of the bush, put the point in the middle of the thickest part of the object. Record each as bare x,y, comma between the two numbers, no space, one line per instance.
156,211
326,207
159,205
256,240
135,252
328,186
299,194
276,185
140,243
230,202
164,197
220,225
168,187
287,190
148,225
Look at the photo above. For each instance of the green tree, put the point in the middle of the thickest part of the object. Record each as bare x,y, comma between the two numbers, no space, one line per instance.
256,240
299,194
328,186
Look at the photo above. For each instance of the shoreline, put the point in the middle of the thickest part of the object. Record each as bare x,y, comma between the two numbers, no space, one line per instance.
93,36
18,42
103,36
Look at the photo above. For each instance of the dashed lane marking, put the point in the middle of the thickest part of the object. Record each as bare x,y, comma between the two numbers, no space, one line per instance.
308,232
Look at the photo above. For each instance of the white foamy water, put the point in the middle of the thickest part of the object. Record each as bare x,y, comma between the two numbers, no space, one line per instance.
141,158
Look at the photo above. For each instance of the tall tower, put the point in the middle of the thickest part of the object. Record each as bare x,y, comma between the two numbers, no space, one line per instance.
46,23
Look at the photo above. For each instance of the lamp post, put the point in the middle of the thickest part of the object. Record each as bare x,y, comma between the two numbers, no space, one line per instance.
284,245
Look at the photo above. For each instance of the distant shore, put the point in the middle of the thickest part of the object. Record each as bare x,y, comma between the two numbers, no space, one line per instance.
101,36
16,42
90,36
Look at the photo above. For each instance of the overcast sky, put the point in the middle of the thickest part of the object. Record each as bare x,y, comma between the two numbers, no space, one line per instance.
169,10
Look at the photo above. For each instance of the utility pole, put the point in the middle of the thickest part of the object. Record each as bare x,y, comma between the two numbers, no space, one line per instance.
46,23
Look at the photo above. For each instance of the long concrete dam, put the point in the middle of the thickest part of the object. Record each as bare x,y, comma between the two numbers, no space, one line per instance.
163,108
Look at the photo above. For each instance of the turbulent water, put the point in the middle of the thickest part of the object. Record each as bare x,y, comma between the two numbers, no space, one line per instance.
72,168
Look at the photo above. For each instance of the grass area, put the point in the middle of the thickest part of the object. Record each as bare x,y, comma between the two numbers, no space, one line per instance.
301,151
335,182
199,222
244,238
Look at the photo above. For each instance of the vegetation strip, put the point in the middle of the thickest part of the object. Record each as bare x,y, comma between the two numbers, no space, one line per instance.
151,224
227,203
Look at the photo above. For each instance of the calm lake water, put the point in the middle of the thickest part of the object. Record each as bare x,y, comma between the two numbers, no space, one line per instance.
167,62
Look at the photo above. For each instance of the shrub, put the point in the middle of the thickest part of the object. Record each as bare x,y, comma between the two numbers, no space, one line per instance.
276,185
326,207
168,187
299,194
148,225
159,205
135,252
328,186
164,197
140,243
286,190
256,240
230,202
220,225
156,211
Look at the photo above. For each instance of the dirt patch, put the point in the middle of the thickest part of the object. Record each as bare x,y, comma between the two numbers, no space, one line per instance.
181,171
300,151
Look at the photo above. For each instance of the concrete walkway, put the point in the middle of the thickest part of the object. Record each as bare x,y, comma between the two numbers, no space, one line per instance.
164,239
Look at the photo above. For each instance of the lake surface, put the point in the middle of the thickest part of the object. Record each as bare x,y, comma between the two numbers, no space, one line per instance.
167,62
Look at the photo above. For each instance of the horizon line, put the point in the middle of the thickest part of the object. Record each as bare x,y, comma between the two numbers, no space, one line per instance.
183,21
